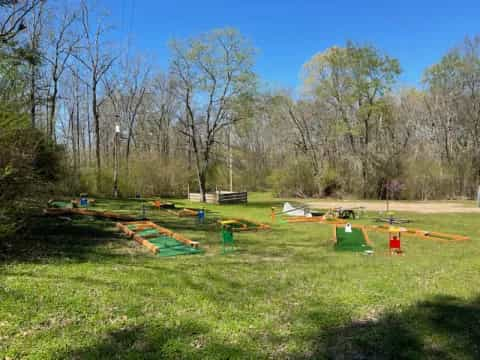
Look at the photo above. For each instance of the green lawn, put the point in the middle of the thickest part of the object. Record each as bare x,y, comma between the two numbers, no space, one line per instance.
80,290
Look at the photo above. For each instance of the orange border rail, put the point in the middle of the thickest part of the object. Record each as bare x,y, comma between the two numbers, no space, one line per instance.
426,235
85,212
315,219
361,227
143,225
137,238
245,227
182,212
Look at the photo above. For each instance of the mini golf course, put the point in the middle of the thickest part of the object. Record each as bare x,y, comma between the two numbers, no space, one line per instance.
356,241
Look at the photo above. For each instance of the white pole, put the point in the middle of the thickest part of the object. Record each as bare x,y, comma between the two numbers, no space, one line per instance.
116,145
478,196
230,158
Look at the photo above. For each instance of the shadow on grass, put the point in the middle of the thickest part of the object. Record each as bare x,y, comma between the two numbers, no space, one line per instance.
56,239
441,327
187,340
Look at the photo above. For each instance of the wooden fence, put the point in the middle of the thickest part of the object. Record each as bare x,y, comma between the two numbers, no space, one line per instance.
221,197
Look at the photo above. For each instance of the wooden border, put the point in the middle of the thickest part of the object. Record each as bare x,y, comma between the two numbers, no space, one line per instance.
137,238
361,227
365,234
142,225
260,226
334,227
425,235
315,219
86,212
182,212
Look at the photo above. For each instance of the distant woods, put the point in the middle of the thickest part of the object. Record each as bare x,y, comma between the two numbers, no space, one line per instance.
351,131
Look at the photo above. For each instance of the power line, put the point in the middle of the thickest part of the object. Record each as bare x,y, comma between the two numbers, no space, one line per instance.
131,24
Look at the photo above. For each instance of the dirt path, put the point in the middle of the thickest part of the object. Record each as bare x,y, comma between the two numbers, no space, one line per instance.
425,207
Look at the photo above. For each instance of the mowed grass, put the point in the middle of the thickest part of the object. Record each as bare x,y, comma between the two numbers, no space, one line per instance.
80,290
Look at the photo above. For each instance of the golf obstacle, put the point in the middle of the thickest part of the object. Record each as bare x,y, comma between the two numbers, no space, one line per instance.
356,241
159,240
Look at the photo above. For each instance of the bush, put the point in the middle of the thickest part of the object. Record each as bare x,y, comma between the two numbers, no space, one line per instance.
29,166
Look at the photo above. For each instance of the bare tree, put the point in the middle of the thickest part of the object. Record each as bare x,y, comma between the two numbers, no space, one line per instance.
211,70
13,22
97,60
35,34
126,90
63,42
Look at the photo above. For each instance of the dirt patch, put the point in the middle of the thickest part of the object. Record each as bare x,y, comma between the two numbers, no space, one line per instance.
425,207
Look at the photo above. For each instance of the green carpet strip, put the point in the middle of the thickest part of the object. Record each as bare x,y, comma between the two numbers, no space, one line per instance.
171,247
354,241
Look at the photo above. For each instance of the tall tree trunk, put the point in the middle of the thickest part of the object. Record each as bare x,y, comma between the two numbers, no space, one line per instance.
53,108
89,132
33,97
96,120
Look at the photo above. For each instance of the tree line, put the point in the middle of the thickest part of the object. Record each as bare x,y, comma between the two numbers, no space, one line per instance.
124,127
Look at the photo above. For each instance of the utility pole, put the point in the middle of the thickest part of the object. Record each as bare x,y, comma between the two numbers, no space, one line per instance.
230,158
116,160
387,188
478,196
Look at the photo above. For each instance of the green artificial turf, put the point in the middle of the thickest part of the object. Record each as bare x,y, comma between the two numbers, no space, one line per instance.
81,290
171,247
354,241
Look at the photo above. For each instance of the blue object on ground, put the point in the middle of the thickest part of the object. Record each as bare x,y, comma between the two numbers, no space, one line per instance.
201,216
84,202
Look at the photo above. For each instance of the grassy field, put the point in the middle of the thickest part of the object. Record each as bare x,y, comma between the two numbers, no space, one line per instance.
80,290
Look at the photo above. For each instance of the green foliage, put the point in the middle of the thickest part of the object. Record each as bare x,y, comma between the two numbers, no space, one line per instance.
10,119
330,182
359,72
295,178
148,177
27,160
29,163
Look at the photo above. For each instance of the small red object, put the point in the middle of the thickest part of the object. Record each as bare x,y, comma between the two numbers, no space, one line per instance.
395,242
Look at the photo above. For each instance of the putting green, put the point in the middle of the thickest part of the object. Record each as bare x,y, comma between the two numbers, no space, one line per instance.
166,245
171,247
354,241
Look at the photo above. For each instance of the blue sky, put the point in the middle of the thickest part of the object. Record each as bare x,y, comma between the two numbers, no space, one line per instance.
288,33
